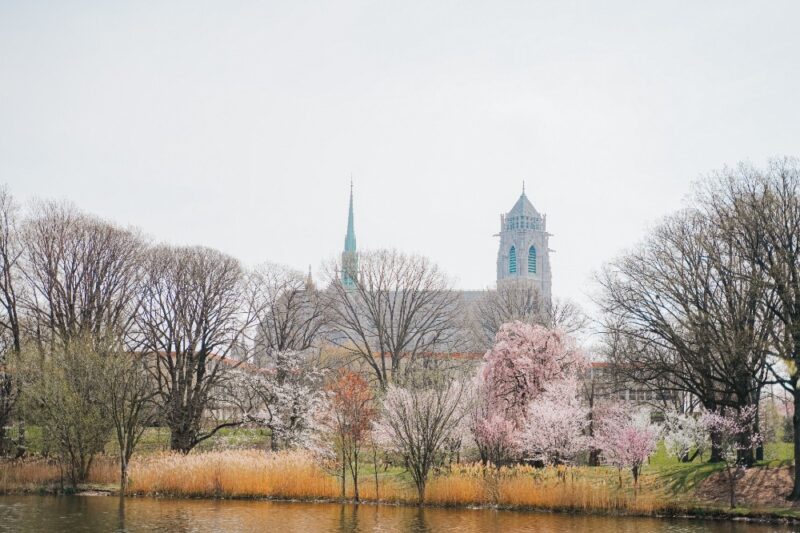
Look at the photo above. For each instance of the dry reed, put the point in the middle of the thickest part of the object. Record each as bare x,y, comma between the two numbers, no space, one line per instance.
32,474
296,475
231,474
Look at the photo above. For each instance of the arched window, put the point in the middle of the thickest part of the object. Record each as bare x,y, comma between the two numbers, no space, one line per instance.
532,260
512,261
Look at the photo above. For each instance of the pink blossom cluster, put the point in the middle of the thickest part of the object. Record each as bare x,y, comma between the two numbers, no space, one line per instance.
527,398
523,360
626,439
734,431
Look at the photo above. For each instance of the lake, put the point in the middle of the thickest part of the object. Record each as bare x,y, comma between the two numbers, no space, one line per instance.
106,513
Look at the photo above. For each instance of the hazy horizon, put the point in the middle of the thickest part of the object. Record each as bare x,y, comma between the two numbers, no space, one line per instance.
239,126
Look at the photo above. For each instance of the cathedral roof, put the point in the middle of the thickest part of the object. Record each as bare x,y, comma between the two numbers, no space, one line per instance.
523,207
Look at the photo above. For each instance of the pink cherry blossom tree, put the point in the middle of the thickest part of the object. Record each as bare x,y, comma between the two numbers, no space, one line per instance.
496,439
556,424
523,360
626,438
494,434
735,436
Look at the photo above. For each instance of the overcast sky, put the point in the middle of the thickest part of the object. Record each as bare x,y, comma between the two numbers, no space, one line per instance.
237,125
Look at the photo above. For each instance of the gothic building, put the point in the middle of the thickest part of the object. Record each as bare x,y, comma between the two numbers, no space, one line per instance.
524,252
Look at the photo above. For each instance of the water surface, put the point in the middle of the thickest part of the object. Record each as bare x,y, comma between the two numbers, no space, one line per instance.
107,513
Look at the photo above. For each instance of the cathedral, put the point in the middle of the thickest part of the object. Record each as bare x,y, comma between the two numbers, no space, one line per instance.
523,253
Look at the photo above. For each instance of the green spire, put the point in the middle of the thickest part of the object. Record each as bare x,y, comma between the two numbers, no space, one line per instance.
349,256
350,238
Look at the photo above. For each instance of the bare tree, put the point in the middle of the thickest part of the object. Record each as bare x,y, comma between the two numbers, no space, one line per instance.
399,309
10,346
417,423
194,314
82,272
760,210
518,299
10,252
292,316
689,314
567,316
131,407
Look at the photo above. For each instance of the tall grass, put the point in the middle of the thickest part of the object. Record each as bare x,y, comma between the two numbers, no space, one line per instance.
232,474
33,474
296,475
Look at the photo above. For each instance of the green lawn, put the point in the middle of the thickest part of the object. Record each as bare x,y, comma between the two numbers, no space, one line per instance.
682,478
156,439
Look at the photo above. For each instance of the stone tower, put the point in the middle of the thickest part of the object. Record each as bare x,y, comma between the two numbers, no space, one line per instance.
349,255
524,253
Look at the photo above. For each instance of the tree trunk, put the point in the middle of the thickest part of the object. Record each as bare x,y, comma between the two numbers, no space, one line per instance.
594,457
732,487
759,452
123,476
795,495
421,491
4,442
745,454
354,472
716,455
375,467
355,485
181,440
344,475
694,455
22,444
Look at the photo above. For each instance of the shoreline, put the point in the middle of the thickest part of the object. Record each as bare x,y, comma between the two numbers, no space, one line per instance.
682,513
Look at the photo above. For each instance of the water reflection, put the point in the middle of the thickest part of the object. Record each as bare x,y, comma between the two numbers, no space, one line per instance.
99,513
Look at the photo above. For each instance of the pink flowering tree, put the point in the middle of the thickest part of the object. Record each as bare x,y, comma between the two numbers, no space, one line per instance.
556,424
496,439
626,439
495,436
735,437
523,360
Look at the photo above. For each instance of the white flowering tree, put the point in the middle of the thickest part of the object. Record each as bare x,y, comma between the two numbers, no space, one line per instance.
556,424
289,402
685,436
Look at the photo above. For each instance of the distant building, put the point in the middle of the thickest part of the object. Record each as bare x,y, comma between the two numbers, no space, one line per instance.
524,251
523,256
349,254
601,382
